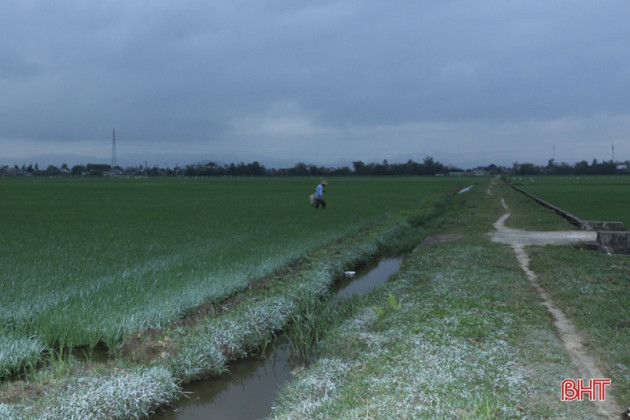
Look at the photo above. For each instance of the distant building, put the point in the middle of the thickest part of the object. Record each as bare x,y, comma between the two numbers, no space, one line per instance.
479,172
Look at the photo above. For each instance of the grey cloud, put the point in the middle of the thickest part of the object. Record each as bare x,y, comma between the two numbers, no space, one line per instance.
187,72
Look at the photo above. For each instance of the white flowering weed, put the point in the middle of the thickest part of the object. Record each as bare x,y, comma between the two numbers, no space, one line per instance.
119,395
18,352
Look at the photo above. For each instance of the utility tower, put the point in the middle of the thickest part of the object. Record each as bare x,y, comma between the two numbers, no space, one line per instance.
114,161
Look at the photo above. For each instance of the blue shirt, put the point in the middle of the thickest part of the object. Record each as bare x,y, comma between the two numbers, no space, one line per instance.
319,191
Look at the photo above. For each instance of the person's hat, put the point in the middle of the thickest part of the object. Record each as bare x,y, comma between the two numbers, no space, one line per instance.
324,183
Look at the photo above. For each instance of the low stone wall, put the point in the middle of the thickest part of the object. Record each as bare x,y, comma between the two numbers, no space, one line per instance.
614,242
612,237
595,225
574,220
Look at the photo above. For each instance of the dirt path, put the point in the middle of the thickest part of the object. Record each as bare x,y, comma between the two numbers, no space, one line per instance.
571,338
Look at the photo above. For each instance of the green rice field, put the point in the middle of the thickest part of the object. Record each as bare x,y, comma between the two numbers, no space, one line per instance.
605,198
87,261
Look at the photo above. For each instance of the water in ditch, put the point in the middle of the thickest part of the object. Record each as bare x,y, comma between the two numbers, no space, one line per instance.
251,385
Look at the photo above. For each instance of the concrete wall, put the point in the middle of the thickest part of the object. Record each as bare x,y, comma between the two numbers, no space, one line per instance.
614,242
612,237
596,225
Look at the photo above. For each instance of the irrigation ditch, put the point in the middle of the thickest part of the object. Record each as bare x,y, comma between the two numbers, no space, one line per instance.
250,387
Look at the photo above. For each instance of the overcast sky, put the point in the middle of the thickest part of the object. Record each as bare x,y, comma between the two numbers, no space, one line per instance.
324,82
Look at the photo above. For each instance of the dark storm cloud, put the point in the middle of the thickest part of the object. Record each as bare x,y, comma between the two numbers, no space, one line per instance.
289,76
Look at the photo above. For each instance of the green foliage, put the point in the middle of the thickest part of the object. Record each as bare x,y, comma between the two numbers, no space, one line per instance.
18,353
484,408
392,306
314,323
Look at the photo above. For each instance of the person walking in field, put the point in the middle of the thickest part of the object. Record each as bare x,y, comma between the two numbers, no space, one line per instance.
319,195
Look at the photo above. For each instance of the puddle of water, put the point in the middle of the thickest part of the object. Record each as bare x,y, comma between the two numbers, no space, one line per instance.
251,386
370,277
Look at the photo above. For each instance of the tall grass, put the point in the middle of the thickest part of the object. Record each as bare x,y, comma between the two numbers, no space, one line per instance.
18,352
314,322
88,261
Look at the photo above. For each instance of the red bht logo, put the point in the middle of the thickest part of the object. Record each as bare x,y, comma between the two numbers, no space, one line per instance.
575,390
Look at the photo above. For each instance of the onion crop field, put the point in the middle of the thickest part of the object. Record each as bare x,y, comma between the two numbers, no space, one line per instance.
86,261
605,198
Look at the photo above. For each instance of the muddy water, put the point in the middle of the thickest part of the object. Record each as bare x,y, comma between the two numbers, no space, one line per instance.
368,278
246,392
251,386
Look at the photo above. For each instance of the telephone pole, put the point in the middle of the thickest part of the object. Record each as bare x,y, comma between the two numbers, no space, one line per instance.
114,162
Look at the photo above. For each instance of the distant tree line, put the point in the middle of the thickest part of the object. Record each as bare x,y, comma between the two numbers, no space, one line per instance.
580,168
428,167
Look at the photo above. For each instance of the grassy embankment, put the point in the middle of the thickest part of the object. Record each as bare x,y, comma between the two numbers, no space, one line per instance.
460,332
178,276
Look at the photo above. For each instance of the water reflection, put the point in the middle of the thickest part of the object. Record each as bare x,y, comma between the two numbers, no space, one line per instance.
370,277
246,392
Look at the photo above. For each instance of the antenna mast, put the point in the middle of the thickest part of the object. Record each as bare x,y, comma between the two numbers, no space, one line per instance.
114,162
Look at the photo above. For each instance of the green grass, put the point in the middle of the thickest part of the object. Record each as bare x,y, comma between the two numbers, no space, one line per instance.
591,288
594,294
91,260
605,198
460,333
